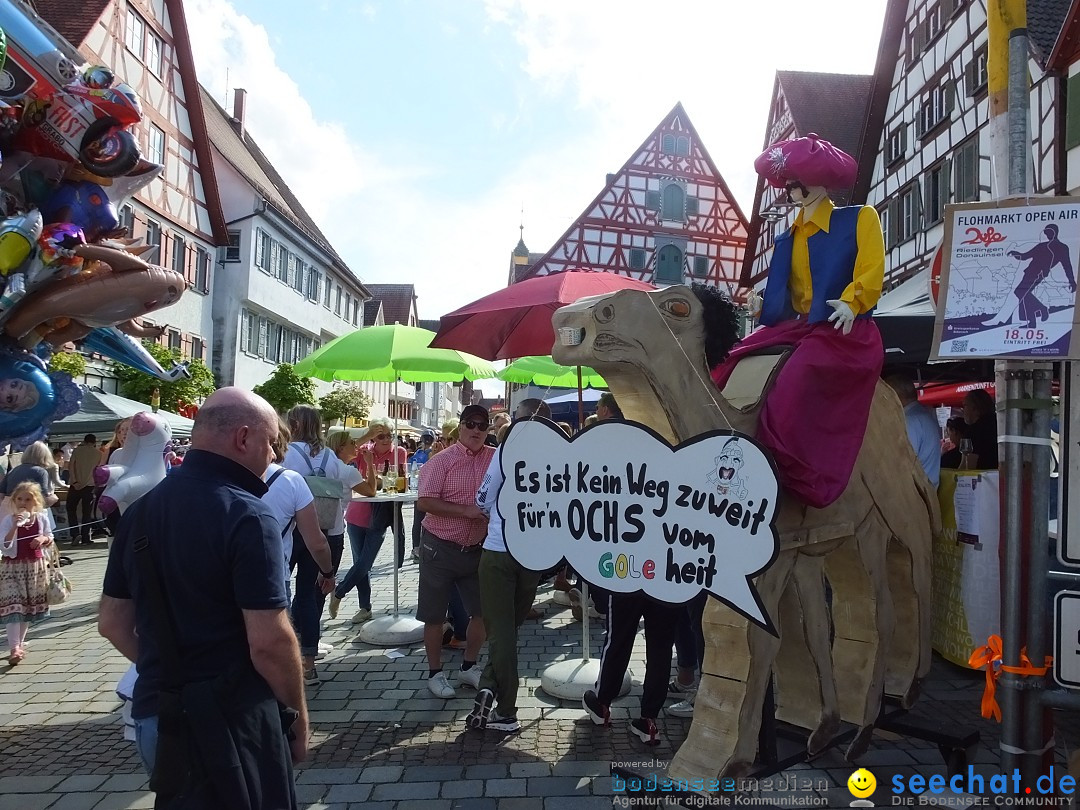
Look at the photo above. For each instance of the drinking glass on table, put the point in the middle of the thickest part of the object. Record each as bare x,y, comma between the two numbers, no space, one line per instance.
966,449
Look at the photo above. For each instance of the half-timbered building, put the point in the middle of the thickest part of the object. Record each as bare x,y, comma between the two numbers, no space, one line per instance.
1064,62
146,43
832,105
666,217
927,142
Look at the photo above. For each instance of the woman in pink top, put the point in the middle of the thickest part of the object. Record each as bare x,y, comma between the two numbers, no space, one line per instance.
365,534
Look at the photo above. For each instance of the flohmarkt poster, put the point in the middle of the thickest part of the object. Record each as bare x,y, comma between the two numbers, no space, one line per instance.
1008,282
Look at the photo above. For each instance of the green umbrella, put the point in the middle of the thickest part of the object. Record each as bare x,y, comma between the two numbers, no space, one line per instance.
542,370
388,354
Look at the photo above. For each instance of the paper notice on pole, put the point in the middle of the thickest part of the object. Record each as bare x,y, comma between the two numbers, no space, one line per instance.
965,509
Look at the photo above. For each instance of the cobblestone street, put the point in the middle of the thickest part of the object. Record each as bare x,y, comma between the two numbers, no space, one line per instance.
381,740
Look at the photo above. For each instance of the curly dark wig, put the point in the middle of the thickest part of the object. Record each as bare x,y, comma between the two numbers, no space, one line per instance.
721,319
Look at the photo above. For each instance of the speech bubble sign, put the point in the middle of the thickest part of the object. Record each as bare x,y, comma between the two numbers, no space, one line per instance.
632,513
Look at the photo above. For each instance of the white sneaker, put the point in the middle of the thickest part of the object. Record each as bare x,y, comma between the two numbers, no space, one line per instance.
684,708
361,616
324,650
440,687
470,677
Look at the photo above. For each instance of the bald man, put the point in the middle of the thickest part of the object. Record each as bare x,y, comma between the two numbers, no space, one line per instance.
214,550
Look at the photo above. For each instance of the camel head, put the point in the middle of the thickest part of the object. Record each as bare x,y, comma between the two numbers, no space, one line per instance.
654,348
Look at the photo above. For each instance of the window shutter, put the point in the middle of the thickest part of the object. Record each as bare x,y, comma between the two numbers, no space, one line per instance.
949,89
652,200
1072,112
691,206
893,225
920,120
918,40
264,334
245,330
944,186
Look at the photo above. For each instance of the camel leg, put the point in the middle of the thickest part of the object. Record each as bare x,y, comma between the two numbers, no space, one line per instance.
903,670
805,685
863,621
738,665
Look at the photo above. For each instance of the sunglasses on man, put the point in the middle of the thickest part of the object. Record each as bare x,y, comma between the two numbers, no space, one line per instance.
476,424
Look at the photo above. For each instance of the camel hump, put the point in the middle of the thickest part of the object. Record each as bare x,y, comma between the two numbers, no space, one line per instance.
754,375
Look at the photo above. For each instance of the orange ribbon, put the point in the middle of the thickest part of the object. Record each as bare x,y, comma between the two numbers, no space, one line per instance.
989,655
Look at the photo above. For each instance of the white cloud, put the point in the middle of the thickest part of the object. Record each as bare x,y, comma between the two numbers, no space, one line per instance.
615,67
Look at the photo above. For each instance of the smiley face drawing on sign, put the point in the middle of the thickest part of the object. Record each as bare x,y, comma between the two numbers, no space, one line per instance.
726,476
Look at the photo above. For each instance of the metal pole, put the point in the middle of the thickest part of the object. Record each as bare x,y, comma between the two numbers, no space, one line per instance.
1019,149
1011,611
1035,731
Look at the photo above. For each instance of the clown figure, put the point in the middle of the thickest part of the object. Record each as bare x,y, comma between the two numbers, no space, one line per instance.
727,476
825,278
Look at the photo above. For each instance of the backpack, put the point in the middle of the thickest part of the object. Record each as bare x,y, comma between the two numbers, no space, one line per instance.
328,492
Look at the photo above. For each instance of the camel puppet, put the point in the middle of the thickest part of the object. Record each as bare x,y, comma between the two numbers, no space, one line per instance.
872,544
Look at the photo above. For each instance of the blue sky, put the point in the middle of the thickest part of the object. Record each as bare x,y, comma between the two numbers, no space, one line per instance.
414,131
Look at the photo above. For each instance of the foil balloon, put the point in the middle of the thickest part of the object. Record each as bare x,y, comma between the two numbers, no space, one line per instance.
57,246
69,308
18,236
98,77
31,398
84,204
137,467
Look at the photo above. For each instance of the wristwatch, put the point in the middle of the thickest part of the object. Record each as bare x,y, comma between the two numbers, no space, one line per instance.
326,575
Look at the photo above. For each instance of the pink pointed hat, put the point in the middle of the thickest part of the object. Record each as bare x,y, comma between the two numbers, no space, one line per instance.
812,161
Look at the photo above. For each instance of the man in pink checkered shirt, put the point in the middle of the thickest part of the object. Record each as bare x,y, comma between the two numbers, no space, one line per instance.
450,543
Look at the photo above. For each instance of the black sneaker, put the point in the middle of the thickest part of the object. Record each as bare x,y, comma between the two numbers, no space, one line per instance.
311,677
481,709
505,724
600,714
645,730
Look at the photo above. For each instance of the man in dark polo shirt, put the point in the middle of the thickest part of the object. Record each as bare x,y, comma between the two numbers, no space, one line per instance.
217,553
450,544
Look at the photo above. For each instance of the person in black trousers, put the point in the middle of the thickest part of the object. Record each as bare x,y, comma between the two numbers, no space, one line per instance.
625,611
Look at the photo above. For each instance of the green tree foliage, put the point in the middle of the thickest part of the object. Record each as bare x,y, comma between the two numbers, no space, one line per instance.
284,388
71,362
343,402
139,385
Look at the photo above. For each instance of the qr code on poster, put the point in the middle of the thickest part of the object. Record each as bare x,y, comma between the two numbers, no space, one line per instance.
959,347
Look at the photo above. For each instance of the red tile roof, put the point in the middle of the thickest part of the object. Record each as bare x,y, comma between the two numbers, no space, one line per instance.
72,19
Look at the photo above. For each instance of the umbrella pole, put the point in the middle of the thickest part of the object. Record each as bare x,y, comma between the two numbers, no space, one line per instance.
393,460
580,402
585,652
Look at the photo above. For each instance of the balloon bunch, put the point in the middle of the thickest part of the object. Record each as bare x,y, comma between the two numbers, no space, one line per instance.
67,272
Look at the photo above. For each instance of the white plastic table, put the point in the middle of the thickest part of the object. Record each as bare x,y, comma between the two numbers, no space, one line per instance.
392,629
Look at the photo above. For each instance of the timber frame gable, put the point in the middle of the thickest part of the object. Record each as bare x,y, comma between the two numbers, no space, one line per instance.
666,217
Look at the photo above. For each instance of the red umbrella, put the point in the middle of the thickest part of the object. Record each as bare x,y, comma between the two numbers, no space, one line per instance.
516,321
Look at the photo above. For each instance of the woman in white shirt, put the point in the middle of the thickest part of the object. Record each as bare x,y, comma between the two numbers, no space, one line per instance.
308,453
290,500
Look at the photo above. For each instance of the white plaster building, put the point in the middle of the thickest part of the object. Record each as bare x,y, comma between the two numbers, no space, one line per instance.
280,290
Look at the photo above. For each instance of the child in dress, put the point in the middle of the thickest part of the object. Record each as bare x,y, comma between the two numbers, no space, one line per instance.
24,536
